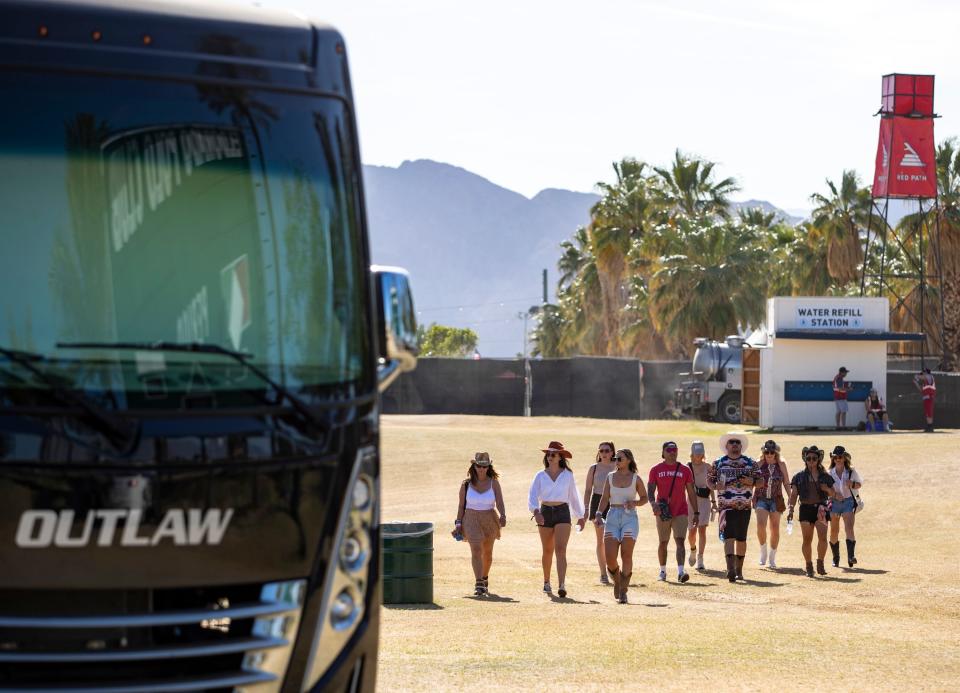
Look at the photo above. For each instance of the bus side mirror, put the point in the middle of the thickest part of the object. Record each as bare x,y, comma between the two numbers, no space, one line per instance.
396,323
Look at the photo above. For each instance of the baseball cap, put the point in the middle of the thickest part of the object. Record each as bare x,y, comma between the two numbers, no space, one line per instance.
844,369
697,448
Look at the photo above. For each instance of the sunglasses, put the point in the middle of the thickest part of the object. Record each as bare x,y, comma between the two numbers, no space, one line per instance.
670,449
733,442
617,458
812,458
769,452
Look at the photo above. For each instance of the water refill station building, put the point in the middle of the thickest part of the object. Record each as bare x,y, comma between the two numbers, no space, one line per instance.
789,366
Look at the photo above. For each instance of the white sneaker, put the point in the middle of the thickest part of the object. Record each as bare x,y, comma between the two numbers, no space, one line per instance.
763,554
547,588
693,557
663,576
700,563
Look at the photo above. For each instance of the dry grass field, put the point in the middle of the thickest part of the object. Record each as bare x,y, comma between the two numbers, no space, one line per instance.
891,623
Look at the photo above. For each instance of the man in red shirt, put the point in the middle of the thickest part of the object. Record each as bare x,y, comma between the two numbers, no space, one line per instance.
670,489
840,389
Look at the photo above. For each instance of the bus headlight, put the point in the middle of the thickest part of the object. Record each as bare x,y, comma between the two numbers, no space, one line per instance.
346,582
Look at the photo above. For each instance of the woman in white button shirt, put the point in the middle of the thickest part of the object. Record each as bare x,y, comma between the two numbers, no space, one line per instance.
620,493
553,500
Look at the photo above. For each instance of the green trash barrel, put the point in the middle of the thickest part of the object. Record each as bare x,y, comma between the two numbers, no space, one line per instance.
407,562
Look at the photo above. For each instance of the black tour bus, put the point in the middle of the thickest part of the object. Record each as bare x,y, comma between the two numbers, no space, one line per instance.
192,345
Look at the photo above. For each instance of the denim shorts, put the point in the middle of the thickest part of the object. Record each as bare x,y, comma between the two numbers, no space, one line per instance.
621,524
847,505
768,504
554,515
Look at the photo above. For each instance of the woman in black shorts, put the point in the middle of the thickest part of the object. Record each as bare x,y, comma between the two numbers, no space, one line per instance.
553,499
813,487
593,490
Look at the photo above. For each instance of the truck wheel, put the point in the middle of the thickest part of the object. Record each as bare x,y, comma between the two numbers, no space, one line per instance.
728,408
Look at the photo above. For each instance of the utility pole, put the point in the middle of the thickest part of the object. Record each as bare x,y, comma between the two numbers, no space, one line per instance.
523,315
544,287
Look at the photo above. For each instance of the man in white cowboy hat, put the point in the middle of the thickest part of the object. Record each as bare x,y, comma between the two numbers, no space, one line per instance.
733,476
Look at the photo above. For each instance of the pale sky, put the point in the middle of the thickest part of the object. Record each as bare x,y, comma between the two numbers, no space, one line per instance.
533,94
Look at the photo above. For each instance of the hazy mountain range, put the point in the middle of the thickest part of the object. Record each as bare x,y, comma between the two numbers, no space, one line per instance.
475,250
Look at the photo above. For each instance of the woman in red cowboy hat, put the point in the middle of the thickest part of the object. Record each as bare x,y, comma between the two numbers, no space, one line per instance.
553,496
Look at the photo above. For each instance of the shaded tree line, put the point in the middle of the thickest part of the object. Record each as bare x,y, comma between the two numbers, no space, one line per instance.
664,259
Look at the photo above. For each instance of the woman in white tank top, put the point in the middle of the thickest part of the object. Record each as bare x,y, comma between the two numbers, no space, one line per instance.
477,521
593,490
623,493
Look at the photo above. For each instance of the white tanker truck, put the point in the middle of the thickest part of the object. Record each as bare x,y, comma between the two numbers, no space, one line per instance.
715,380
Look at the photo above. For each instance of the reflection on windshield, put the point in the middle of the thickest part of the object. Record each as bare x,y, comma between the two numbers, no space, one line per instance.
166,212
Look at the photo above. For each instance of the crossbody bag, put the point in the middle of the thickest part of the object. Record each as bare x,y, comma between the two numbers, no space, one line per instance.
664,505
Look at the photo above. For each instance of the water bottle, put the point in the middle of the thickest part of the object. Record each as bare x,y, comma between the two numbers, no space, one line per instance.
722,538
789,527
713,515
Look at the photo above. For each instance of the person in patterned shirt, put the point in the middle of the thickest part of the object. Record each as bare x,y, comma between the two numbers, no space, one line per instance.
733,477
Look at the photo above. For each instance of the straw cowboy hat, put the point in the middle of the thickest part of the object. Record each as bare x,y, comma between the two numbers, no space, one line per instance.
554,446
742,437
482,459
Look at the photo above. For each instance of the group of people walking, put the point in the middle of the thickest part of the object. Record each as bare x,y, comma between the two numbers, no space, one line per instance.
685,498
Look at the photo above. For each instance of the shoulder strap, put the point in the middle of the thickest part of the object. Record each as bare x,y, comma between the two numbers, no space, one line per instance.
675,472
466,488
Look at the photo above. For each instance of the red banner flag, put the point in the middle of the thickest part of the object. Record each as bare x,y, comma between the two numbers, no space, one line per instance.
906,163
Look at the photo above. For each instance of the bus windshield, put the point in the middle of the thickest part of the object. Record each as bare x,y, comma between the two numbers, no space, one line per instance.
153,211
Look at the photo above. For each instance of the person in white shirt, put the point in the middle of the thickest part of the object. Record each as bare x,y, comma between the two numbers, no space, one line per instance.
553,499
845,482
623,493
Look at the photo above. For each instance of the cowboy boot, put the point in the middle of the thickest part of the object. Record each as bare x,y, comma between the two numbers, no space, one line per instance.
731,567
820,569
835,549
740,567
809,569
615,578
624,586
851,547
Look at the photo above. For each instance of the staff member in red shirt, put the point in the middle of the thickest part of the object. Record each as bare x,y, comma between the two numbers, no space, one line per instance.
928,392
670,489
840,390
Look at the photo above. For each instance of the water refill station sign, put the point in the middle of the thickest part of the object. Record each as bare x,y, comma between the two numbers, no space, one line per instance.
804,344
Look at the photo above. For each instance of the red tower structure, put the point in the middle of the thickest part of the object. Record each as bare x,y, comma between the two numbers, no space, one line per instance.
904,260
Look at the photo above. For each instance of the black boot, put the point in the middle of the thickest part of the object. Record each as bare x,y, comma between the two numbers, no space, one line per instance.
835,549
740,567
809,569
820,569
851,547
731,567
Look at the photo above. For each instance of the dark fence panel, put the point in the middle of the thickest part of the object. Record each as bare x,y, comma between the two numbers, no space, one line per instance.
600,387
659,380
606,388
458,386
906,408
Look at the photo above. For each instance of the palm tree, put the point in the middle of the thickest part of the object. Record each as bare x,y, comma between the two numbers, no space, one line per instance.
618,219
709,287
906,309
689,187
842,215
